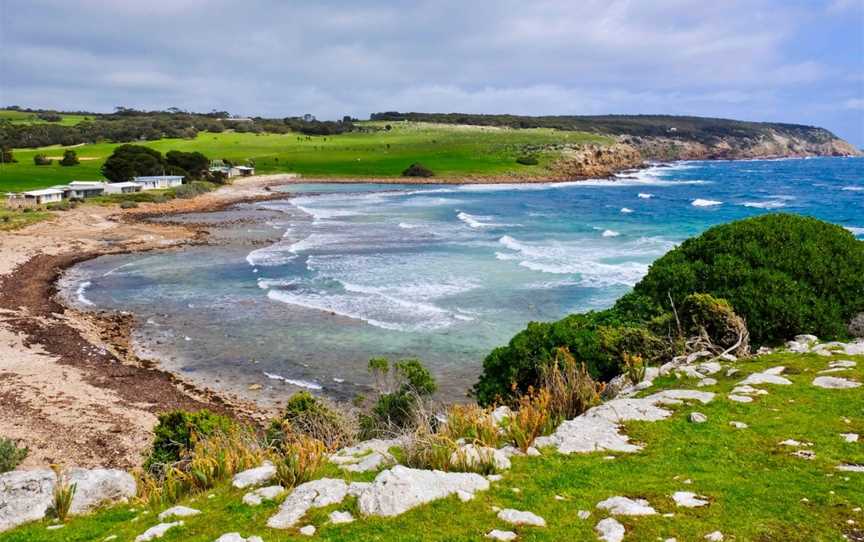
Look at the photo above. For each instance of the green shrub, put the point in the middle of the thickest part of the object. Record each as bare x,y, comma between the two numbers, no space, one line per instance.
70,158
402,389
59,206
10,454
41,160
128,204
784,274
173,435
703,314
528,160
312,417
195,188
417,170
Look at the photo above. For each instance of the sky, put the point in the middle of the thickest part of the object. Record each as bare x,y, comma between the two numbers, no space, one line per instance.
766,60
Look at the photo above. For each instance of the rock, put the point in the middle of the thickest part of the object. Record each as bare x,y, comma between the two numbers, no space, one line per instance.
96,487
732,371
740,398
805,454
793,442
308,530
269,493
688,499
738,425
768,376
854,349
314,494
806,339
235,537
494,477
519,517
157,531
834,383
609,530
25,495
254,477
500,414
366,456
624,506
178,512
850,468
850,437
472,456
698,417
748,390
400,489
583,514
707,382
764,350
495,534
716,536
338,517
532,452
464,496
842,363
709,368
355,489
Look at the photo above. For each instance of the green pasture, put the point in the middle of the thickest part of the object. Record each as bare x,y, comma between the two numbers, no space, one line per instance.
24,117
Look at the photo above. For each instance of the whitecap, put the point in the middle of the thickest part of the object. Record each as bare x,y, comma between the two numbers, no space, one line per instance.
626,210
299,383
771,204
853,188
699,202
408,226
610,233
855,230
276,254
475,221
644,195
79,293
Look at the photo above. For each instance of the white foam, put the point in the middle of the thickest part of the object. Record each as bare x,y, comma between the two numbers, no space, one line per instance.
610,233
299,383
699,202
855,230
626,210
853,188
644,195
770,204
79,293
475,221
276,254
408,226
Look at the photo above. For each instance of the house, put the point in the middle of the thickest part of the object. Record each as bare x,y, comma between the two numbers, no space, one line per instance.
122,188
154,182
82,189
245,171
233,171
34,198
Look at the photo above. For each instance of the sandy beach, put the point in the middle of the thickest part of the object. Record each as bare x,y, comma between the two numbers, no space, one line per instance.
70,387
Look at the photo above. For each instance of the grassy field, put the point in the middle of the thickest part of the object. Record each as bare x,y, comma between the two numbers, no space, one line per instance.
23,117
447,150
758,491
14,219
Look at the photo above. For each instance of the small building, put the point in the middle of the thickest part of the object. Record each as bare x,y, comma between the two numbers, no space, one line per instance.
245,171
82,189
155,182
233,171
122,188
34,198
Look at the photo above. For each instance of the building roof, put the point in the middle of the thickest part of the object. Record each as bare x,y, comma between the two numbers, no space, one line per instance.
157,177
244,167
43,192
76,184
124,184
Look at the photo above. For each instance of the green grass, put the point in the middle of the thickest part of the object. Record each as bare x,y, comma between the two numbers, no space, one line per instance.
446,150
755,485
11,219
23,117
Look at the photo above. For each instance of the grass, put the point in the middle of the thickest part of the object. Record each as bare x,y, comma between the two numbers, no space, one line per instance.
23,117
446,150
11,219
755,485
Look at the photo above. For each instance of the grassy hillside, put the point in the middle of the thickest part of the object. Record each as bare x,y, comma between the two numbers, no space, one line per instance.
446,149
757,488
26,117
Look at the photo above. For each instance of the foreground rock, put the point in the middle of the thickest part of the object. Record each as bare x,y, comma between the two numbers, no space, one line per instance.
157,531
835,383
178,512
505,536
624,506
400,489
314,494
235,537
269,493
254,477
610,530
519,517
366,456
96,487
24,496
688,499
472,456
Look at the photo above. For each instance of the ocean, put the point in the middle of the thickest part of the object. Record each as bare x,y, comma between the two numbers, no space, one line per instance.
299,293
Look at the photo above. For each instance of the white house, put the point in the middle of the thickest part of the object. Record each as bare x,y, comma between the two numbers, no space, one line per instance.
82,189
245,170
154,182
233,171
122,188
34,198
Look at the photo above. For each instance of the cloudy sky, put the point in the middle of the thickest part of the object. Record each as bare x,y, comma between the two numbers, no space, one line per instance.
774,60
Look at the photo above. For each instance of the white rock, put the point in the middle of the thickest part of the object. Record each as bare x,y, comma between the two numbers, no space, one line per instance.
366,456
706,382
308,530
850,468
854,349
355,489
806,339
471,456
495,534
716,536
500,414
583,514
748,390
833,382
400,489
709,368
25,496
254,477
732,371
738,425
520,517
338,517
842,363
314,494
805,454
494,477
793,442
97,487
532,452
157,531
235,537
768,376
850,437
698,417
269,493
688,499
464,496
178,512
624,506
609,530
740,398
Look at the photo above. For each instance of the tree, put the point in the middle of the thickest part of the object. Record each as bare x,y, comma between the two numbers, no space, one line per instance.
70,158
41,160
6,156
192,164
129,161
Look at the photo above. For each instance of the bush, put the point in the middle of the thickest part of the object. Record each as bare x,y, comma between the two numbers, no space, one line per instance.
196,188
59,206
784,274
298,461
417,170
571,389
41,160
62,496
128,205
70,158
402,390
529,160
10,455
312,417
531,419
703,315
176,431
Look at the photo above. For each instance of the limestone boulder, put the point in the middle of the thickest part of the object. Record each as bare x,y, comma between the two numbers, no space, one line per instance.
254,477
25,495
314,494
97,487
400,489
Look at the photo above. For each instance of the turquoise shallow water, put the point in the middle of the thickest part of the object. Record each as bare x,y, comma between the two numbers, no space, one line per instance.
301,292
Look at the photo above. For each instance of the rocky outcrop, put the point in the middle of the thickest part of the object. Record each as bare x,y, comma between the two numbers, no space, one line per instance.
314,494
597,161
95,487
400,489
24,496
254,477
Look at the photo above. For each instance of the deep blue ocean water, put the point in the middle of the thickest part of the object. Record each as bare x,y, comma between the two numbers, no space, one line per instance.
303,291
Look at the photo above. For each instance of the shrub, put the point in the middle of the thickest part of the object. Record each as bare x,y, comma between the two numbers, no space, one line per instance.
176,432
706,317
417,170
402,389
59,206
298,461
528,160
128,204
41,160
10,454
62,496
571,389
473,423
70,158
784,274
530,420
312,417
195,188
